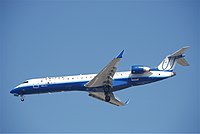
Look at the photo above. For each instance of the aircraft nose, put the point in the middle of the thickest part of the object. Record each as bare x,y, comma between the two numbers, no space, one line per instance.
15,92
12,91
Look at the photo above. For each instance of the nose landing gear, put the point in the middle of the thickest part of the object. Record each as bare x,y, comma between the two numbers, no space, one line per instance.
22,98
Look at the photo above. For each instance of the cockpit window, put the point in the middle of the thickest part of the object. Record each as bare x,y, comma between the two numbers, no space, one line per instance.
25,82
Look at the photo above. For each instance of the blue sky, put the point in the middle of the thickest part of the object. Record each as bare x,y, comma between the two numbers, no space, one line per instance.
53,38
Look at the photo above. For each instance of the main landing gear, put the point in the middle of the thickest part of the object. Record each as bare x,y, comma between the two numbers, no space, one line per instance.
107,96
107,93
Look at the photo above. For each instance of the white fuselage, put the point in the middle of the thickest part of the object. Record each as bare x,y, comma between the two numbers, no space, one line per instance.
120,81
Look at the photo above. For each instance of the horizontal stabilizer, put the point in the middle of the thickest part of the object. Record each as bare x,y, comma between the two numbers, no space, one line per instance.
182,62
179,52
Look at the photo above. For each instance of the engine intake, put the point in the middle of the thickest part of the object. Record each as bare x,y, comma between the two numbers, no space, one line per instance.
139,69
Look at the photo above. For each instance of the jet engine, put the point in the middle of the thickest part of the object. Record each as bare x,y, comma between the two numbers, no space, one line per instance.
139,69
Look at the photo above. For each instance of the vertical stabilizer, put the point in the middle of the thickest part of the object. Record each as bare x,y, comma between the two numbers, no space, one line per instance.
170,61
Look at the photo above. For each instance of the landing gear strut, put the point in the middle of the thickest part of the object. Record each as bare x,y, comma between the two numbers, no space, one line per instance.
107,94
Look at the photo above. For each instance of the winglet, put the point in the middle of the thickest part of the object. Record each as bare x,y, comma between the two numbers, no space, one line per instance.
120,55
127,102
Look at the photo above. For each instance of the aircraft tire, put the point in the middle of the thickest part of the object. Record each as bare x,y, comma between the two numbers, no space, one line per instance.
107,98
22,98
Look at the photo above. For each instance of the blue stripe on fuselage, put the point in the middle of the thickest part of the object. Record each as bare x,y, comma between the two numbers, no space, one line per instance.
118,84
156,69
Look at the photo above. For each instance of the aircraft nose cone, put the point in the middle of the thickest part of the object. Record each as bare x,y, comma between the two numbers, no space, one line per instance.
12,91
15,92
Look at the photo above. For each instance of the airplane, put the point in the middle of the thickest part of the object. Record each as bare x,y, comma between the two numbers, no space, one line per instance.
102,85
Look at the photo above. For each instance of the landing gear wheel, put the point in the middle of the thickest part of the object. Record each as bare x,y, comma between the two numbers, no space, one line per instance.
107,98
22,98
107,93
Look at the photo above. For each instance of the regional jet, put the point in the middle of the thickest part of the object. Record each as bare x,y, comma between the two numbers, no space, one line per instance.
103,85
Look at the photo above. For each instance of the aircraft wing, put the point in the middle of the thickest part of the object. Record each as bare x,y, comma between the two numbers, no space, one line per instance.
104,77
113,99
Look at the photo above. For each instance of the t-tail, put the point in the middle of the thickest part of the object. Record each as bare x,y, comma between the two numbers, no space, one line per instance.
170,61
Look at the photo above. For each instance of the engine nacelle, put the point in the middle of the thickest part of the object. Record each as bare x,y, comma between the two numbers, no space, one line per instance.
139,69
